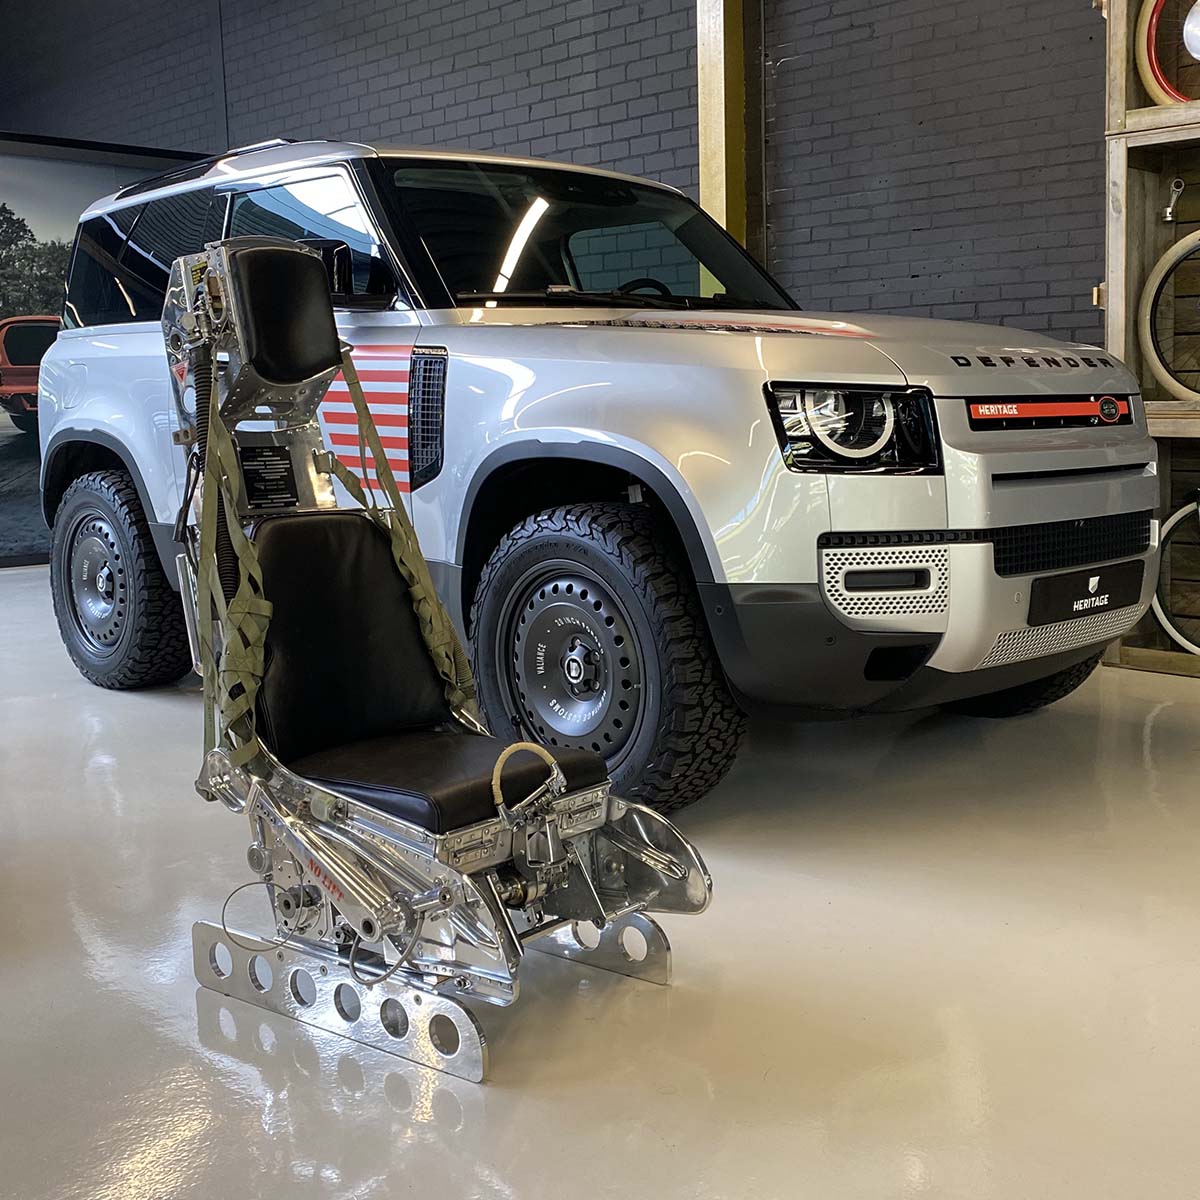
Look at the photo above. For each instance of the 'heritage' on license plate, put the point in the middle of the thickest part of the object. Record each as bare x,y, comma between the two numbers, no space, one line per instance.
1081,593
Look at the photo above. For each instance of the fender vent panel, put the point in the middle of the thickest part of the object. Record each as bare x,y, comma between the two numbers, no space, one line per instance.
426,414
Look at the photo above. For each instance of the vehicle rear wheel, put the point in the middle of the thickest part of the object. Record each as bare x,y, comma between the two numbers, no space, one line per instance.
26,422
586,631
120,620
1028,697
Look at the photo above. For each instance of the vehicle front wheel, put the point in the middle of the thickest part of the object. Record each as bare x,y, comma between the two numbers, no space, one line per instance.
1027,697
26,422
586,631
120,619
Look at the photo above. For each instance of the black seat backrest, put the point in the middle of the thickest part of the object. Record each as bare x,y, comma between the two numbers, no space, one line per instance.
345,659
288,323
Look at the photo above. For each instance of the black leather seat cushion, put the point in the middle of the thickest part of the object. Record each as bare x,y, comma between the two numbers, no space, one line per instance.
345,660
350,697
440,781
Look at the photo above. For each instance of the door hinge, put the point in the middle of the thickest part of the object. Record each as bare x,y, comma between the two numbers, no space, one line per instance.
1101,6
1100,295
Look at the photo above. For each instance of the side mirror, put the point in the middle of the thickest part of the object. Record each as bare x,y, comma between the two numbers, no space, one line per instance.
339,267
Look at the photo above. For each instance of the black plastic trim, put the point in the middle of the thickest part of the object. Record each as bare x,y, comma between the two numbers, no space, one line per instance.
781,647
611,456
785,653
1026,549
163,534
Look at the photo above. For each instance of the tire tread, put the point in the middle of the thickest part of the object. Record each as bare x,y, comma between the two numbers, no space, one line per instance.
700,727
1027,697
159,651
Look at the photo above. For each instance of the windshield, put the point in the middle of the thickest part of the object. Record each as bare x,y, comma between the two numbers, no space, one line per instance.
511,234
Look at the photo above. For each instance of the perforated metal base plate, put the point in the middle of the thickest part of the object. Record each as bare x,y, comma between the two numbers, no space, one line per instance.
422,1027
631,945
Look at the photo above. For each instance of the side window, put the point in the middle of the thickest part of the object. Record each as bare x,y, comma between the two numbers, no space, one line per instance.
327,214
608,257
96,294
166,229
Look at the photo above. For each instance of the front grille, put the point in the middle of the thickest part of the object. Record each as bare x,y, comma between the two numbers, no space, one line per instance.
1041,640
1025,549
426,414
1057,545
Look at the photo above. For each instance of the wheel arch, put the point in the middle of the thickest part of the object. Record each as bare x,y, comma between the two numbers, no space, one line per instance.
70,454
519,480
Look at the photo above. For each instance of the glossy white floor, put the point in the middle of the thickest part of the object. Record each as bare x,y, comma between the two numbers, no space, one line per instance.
945,959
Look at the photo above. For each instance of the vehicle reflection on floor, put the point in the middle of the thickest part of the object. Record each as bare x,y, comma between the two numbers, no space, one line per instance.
23,533
944,958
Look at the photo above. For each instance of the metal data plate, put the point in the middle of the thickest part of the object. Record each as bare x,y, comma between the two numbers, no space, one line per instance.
424,1028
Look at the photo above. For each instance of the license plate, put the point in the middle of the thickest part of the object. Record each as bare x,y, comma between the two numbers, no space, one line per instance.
1082,593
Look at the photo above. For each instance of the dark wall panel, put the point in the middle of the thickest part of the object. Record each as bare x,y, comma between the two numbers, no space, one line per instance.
594,81
938,158
137,72
607,82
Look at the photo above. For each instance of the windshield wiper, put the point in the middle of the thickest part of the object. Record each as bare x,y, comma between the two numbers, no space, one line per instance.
562,293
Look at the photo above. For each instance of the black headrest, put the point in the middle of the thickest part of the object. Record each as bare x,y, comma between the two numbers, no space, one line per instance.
287,316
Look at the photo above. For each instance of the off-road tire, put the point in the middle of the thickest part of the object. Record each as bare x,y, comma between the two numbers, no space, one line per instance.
26,422
688,724
1027,697
150,645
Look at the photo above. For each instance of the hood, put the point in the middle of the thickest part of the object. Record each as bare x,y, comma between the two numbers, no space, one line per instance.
951,358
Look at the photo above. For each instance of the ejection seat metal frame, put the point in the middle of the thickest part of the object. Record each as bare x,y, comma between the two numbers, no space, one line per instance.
402,923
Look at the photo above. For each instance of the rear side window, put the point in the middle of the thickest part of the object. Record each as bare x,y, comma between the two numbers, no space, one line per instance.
96,293
322,212
166,229
122,259
24,344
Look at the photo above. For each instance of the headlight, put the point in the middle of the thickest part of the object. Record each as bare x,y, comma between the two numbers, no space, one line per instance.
822,427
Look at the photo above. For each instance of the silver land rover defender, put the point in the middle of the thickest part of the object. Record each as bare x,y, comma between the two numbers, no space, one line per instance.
655,494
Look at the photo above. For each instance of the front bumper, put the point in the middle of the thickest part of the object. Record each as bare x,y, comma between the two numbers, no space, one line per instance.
824,648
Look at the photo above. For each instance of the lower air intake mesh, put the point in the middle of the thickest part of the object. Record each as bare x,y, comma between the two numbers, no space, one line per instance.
1025,549
1041,640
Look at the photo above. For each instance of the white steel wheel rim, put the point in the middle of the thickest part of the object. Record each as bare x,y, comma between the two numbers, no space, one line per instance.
1168,628
1165,265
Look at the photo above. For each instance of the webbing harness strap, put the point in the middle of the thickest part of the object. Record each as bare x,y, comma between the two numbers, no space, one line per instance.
437,629
233,673
231,681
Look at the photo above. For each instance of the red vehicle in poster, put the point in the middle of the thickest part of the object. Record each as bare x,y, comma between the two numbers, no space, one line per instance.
23,341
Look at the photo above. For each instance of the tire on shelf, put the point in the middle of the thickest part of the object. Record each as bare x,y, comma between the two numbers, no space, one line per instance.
586,630
1027,697
1161,605
1146,303
26,422
1157,86
120,620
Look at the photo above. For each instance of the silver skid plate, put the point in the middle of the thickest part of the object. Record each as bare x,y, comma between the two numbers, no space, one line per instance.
630,945
422,1027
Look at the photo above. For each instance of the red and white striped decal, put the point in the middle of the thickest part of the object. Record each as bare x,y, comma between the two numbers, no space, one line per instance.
383,371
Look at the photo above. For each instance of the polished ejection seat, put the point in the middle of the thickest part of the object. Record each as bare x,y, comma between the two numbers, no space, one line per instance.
350,699
410,859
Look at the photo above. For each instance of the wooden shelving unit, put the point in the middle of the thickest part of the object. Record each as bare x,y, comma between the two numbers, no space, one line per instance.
1149,146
